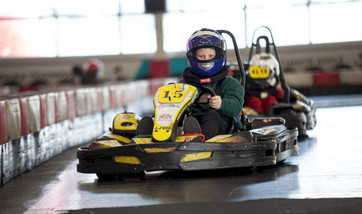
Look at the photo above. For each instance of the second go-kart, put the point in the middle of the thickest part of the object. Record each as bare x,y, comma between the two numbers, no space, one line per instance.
264,69
135,147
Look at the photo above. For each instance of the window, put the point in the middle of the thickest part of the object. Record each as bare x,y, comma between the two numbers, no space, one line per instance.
28,38
25,9
274,3
138,34
43,28
336,22
88,36
87,8
188,16
132,6
288,25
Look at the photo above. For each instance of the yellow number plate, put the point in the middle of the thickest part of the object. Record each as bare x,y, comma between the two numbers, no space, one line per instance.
172,94
259,72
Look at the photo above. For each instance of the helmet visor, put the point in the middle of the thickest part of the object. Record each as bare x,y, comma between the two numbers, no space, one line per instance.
206,54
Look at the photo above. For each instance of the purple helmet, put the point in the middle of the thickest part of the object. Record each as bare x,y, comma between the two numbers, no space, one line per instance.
206,38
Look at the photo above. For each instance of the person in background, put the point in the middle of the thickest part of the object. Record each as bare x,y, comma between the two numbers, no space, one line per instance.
91,72
263,87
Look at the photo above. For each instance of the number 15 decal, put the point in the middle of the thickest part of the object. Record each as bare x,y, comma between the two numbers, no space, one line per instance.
177,94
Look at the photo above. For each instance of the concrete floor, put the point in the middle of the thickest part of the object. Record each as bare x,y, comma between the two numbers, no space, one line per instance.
326,177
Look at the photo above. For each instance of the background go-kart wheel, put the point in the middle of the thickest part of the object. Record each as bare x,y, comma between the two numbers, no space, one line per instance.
302,130
311,119
280,162
295,119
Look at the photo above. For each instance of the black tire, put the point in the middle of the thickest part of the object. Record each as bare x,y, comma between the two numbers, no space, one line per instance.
280,162
107,177
295,119
120,176
302,129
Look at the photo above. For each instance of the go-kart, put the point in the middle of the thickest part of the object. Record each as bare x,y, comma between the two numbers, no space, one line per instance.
260,142
295,108
134,147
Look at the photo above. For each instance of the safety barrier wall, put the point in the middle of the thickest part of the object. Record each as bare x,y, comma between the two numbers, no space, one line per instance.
36,127
3,130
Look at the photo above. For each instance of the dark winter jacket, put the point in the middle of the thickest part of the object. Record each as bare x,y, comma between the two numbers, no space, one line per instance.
232,92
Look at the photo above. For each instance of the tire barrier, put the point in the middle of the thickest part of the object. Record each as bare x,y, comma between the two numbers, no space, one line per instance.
43,111
24,116
50,107
70,96
33,105
36,127
326,78
3,134
82,102
13,123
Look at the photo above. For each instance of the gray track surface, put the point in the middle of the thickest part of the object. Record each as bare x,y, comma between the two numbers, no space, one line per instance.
326,177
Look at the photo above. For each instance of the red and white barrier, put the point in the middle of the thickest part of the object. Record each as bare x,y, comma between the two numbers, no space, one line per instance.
43,111
99,99
299,79
24,117
154,85
13,123
81,102
3,134
131,92
71,106
33,113
326,78
112,97
51,110
143,87
61,106
106,98
93,100
350,77
121,95
21,116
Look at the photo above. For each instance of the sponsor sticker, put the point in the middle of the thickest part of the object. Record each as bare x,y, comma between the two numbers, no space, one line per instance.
165,117
168,106
207,80
126,116
162,128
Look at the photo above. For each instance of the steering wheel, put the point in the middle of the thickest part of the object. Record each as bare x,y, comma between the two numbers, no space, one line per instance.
204,89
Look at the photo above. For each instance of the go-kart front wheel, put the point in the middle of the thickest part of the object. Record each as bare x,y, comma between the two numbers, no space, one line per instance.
119,176
107,177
